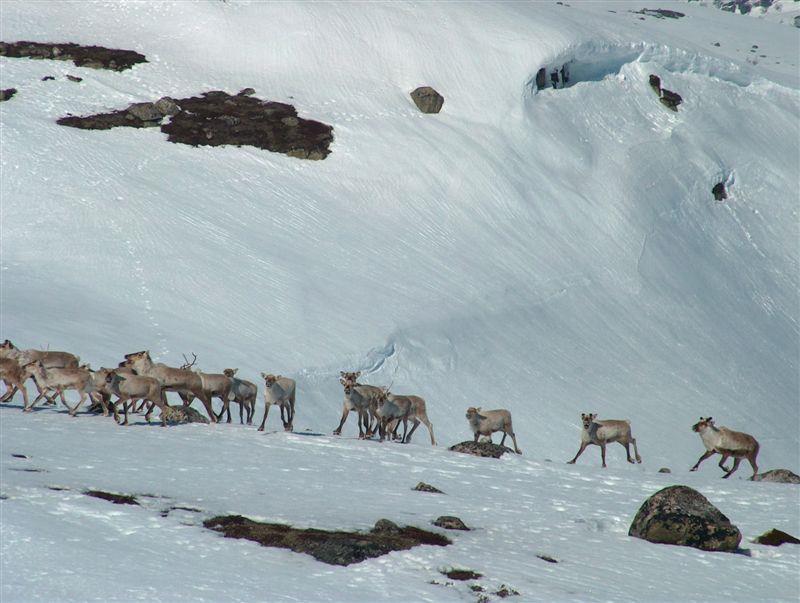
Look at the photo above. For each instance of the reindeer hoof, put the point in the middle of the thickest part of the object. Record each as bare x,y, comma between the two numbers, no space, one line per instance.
261,429
570,462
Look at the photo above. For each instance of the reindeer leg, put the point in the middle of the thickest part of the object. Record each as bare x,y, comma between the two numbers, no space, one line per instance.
736,461
74,411
264,420
627,451
430,430
636,450
514,439
283,418
345,412
503,439
752,461
11,389
705,455
407,438
580,452
722,461
603,453
25,398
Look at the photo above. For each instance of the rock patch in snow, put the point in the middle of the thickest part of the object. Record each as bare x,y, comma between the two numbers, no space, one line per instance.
217,118
487,449
449,522
547,558
183,414
7,93
719,192
680,515
670,99
461,574
427,99
334,548
780,476
776,538
96,57
423,487
117,499
659,13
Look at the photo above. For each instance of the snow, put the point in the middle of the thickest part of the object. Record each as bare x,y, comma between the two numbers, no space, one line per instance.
550,252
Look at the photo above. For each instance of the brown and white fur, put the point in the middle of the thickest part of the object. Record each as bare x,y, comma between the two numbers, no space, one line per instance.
14,377
605,432
391,409
279,391
360,398
724,441
487,422
60,380
49,359
244,394
129,388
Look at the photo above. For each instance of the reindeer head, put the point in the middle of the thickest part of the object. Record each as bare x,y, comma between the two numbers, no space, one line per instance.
473,412
7,345
131,358
269,380
230,372
349,377
587,419
703,424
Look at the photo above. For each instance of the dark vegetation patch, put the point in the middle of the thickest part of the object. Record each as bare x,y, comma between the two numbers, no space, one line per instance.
776,538
487,449
659,13
217,118
506,591
461,574
335,548
20,456
28,470
117,499
547,558
96,57
7,93
423,487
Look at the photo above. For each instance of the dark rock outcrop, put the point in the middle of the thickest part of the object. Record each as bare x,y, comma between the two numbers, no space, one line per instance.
776,538
335,548
183,414
449,522
218,118
670,99
461,574
780,476
96,57
664,470
427,99
117,499
487,449
423,487
719,192
7,93
682,516
74,78
655,84
659,13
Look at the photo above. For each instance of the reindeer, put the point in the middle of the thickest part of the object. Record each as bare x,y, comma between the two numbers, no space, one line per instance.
724,441
604,432
183,381
280,391
244,394
60,379
50,359
362,399
129,388
486,422
394,408
14,378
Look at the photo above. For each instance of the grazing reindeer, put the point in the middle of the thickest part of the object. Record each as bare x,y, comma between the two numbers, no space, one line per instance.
604,432
486,422
14,378
279,391
185,382
724,441
360,398
393,408
60,379
129,388
244,394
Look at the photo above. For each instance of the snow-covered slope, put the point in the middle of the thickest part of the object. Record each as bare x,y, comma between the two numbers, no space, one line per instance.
549,252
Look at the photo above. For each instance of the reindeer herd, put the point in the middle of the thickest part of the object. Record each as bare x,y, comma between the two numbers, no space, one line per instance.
137,380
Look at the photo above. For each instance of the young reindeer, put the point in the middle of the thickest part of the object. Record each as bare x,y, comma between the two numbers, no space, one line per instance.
50,359
360,398
60,380
185,382
487,422
244,394
129,388
279,391
724,441
605,432
14,377
391,409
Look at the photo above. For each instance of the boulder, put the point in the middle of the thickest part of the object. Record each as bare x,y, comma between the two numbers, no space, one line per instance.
423,487
487,449
670,99
682,516
449,522
7,93
427,99
719,192
145,111
664,470
166,106
776,538
655,84
781,476
387,526
74,78
183,414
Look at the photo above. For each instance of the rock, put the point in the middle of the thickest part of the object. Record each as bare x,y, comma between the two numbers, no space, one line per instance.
386,525
719,192
449,522
541,79
461,574
776,538
780,476
506,591
427,99
7,93
655,84
48,78
183,414
166,106
247,92
74,78
290,121
716,44
659,13
664,470
670,99
481,449
797,20
145,111
682,516
423,487
547,558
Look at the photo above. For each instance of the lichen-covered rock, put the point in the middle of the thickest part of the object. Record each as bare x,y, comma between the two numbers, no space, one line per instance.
486,449
781,476
427,99
166,106
664,470
449,522
96,57
682,516
145,112
183,414
423,487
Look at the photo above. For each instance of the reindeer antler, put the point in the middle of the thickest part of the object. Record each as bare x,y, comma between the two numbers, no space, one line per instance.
188,364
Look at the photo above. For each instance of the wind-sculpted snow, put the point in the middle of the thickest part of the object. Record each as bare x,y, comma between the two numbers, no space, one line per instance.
551,254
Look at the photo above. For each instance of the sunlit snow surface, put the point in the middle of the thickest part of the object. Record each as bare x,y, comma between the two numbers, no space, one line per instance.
548,252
